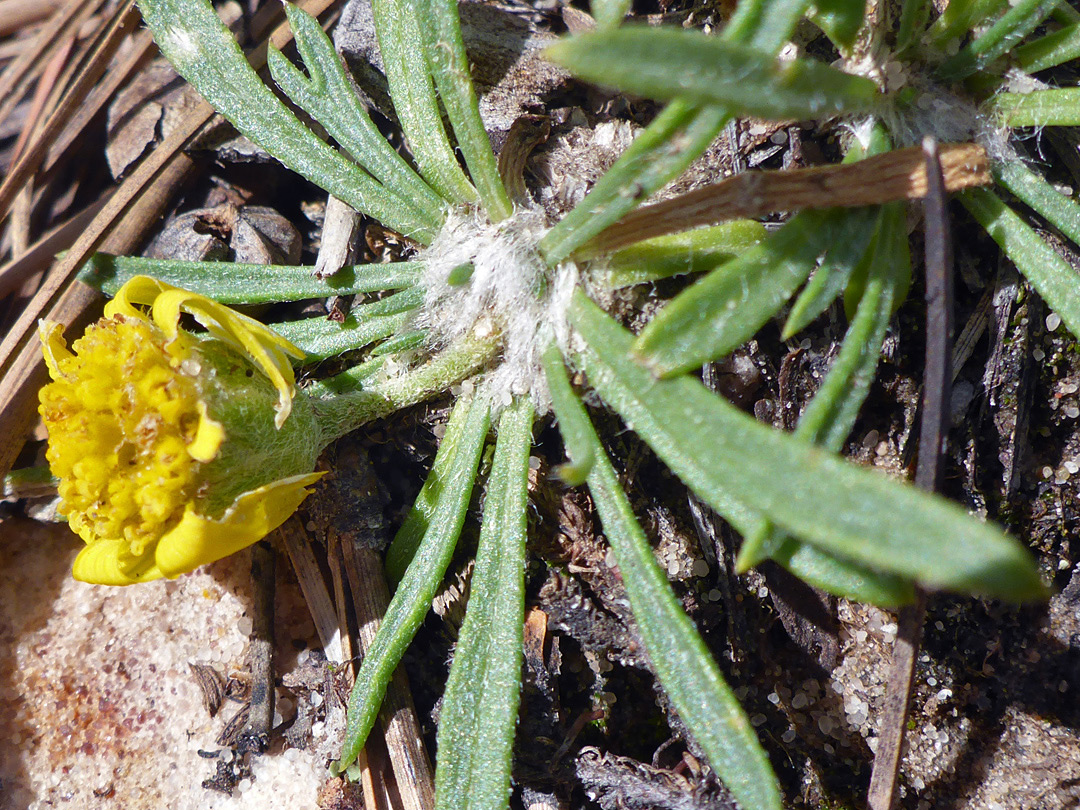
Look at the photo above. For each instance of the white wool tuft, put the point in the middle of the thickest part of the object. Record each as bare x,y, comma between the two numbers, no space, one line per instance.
511,291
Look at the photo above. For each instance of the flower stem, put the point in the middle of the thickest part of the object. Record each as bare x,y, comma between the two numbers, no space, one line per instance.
345,412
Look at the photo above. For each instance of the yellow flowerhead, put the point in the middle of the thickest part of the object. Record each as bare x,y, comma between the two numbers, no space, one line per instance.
173,450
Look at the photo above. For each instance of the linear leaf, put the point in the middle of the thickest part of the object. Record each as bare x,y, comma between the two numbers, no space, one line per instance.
913,18
450,66
479,709
575,430
401,343
959,16
1049,51
725,308
331,99
699,250
679,657
200,47
842,577
835,272
831,414
1052,277
840,20
609,13
723,454
320,338
841,259
1039,108
1032,189
667,63
234,283
415,525
1014,25
764,24
412,599
401,44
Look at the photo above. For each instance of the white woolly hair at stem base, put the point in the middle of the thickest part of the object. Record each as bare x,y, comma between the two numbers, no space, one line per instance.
512,295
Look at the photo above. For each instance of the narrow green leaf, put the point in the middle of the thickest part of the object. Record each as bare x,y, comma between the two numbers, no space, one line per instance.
1049,51
574,430
679,657
200,47
479,709
400,343
609,13
841,259
836,270
1033,190
959,16
449,64
831,414
320,338
1052,277
415,525
412,599
842,577
914,15
349,381
668,63
1039,108
1014,25
234,283
723,455
699,250
727,307
401,44
1066,14
764,24
331,99
840,20
672,141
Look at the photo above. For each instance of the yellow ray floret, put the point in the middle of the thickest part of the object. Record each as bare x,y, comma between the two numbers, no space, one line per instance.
133,431
197,540
267,349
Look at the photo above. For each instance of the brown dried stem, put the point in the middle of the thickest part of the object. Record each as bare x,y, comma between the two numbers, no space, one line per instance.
896,175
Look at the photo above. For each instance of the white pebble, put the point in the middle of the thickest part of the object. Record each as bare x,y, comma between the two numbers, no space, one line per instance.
1053,321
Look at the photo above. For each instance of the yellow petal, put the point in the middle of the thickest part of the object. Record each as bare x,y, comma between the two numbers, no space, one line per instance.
53,346
268,350
198,540
208,436
138,290
99,563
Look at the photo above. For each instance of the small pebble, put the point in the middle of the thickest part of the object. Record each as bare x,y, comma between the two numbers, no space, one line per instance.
1053,321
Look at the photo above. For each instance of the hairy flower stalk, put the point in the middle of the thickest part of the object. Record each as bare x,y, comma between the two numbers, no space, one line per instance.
174,449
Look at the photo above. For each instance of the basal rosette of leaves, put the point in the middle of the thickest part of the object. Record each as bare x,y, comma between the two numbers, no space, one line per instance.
501,295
